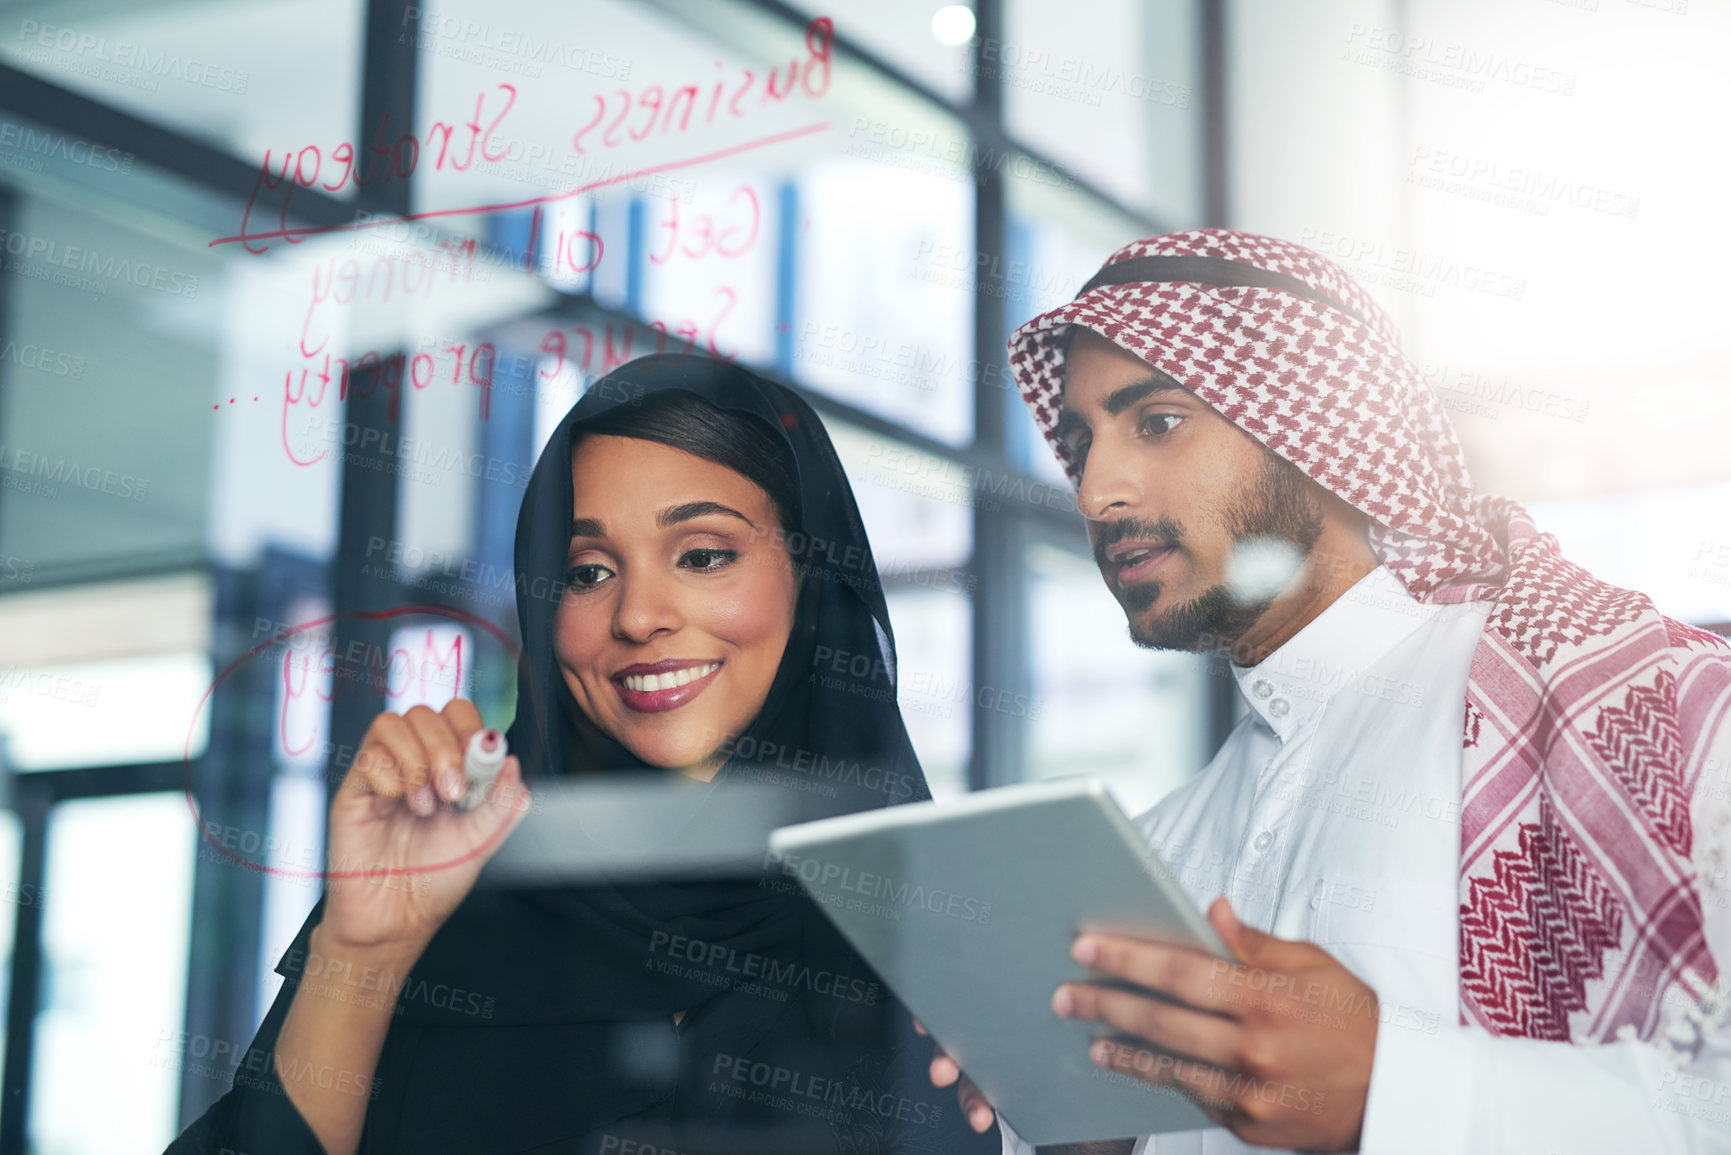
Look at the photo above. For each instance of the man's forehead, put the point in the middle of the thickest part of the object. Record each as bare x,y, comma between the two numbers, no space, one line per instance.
1100,374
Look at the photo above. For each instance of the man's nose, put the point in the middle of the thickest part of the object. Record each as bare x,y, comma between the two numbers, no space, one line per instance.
1109,486
647,605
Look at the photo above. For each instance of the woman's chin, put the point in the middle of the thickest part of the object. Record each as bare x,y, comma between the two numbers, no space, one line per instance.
694,759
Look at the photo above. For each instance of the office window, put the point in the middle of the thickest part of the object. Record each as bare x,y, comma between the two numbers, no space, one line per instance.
116,917
269,74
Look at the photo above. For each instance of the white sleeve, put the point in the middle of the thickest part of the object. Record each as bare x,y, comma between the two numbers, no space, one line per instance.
1014,1144
1462,1090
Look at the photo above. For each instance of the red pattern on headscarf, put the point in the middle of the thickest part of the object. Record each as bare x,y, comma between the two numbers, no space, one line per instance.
1587,710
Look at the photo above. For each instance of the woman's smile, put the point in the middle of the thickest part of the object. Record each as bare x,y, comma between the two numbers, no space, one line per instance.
655,687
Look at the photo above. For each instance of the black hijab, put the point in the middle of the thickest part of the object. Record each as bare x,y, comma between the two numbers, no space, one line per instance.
759,973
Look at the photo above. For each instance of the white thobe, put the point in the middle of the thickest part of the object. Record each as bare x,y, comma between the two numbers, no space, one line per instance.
1332,814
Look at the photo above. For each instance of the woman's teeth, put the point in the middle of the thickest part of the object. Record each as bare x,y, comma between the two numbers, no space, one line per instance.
648,683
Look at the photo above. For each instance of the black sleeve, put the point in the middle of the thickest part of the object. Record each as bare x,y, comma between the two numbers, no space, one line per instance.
256,1116
928,1120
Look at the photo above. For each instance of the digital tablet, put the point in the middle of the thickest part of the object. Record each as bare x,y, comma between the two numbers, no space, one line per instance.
613,828
968,910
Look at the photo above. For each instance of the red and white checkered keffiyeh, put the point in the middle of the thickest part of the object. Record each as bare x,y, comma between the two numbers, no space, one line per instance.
1588,713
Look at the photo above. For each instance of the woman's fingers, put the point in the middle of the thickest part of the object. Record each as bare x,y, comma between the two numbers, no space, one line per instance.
390,746
979,1112
444,770
418,757
436,750
463,720
944,1071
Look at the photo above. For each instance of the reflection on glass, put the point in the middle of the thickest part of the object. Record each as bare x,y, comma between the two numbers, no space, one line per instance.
884,283
709,267
428,666
245,77
292,885
11,896
916,507
1134,717
934,654
111,1030
106,445
910,35
1659,543
1114,97
148,709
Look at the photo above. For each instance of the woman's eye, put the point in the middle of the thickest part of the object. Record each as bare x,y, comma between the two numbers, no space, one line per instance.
1160,424
707,559
587,576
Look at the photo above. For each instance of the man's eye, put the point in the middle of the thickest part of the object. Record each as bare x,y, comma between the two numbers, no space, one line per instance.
1160,424
1078,449
707,559
587,576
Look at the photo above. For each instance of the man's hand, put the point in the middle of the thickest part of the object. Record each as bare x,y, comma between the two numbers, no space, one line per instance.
1277,1050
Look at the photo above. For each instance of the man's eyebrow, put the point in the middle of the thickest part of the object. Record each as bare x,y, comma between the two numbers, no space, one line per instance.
587,527
673,515
1121,399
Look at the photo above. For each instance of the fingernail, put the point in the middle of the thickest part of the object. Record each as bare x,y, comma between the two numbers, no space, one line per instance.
423,801
1063,1005
1085,951
451,783
981,1118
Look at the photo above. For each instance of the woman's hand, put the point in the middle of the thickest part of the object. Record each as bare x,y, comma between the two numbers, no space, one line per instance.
395,815
944,1071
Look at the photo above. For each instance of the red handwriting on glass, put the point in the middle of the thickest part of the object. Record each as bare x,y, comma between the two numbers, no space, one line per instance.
419,273
433,680
324,663
575,251
652,110
700,239
474,365
382,162
618,343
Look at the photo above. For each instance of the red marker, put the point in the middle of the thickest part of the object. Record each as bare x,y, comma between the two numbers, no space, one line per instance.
482,762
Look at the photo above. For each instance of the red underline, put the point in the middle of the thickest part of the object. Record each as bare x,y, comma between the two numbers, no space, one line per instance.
719,154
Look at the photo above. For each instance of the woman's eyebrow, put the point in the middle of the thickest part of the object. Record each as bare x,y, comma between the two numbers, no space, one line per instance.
675,514
587,527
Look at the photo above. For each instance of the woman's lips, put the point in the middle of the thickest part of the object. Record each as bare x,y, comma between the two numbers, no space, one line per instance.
1130,574
655,700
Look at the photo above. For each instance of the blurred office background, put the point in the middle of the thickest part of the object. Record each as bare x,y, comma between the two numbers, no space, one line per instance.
195,526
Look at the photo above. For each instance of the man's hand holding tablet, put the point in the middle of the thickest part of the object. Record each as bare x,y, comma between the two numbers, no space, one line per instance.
1247,1042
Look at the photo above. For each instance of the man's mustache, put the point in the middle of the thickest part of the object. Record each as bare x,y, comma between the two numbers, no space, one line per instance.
1164,534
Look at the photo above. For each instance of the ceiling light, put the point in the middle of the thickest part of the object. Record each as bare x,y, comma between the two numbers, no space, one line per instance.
953,25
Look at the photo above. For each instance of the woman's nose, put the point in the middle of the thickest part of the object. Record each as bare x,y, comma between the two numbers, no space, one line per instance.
646,606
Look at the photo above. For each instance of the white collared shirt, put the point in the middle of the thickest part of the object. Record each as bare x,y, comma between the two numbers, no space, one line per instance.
1332,814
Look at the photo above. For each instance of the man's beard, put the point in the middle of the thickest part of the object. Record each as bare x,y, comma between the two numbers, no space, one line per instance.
1280,507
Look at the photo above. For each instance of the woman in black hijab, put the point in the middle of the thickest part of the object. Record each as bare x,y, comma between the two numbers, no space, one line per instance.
678,1018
